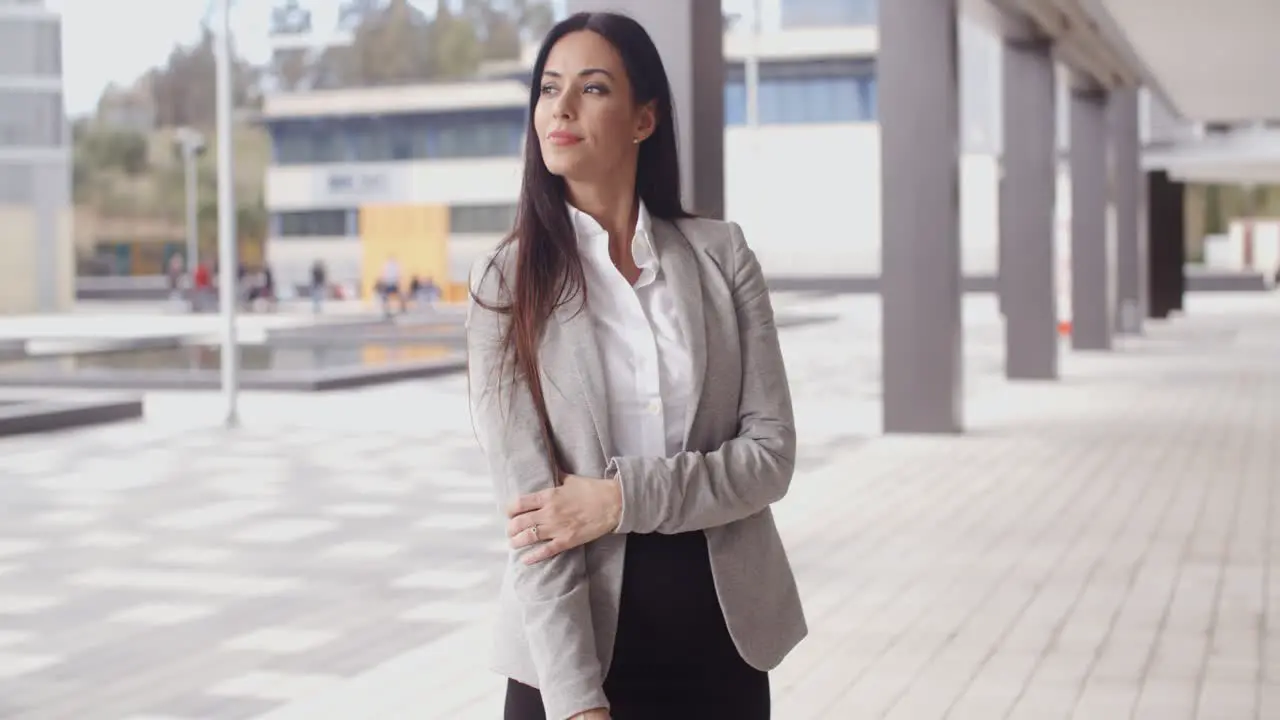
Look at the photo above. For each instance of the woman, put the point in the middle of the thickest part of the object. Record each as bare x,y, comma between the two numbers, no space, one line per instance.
628,390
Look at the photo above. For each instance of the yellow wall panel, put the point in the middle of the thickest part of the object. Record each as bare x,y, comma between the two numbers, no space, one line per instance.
417,236
18,290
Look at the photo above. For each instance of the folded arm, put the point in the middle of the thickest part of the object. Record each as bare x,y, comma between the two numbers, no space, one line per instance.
553,594
693,490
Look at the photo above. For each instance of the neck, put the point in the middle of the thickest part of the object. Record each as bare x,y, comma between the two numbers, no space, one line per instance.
612,205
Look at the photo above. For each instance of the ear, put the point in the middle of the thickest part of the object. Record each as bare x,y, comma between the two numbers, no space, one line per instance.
646,120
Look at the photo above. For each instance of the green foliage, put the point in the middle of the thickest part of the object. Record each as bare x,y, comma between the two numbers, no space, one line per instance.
1214,218
108,148
120,171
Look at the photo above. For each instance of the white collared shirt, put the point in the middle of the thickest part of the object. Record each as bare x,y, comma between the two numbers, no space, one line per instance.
645,355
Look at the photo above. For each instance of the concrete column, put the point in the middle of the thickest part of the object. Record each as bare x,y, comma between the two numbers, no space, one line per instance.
918,86
1166,229
1165,223
690,37
1092,265
1028,190
1126,178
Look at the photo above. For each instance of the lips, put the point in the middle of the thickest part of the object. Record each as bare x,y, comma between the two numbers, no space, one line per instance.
562,137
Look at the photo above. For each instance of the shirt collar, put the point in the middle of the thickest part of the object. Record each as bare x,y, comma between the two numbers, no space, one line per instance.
644,254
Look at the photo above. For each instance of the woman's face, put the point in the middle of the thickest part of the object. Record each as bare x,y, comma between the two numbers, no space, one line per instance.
586,119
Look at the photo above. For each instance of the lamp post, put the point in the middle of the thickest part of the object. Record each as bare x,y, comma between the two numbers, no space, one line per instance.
751,68
191,145
228,261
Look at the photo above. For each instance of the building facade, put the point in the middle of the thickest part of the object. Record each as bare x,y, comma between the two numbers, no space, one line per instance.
430,174
827,13
37,273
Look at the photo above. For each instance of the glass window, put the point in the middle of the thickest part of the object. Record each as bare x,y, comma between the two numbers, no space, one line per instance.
735,103
292,144
31,118
366,138
311,223
488,219
402,137
329,144
867,98
828,91
476,135
30,47
826,13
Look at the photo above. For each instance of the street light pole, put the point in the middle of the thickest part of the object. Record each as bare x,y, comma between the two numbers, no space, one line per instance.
193,244
228,261
189,150
751,68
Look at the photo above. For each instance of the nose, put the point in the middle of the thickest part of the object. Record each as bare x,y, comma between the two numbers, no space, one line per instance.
563,108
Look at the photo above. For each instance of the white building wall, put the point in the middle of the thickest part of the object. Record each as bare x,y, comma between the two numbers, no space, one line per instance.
807,197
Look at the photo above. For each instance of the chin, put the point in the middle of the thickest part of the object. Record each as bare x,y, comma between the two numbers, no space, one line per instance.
566,170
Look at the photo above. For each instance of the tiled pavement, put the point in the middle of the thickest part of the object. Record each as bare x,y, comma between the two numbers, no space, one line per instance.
1100,547
197,574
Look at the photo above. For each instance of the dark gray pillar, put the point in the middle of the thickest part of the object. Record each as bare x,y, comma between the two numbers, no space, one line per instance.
918,86
1126,177
690,37
1092,305
1166,230
1028,190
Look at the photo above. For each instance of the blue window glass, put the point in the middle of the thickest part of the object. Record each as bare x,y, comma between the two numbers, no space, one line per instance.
867,88
844,96
827,13
835,91
735,103
398,137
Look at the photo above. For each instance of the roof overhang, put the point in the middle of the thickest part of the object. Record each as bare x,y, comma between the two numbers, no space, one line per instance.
1210,61
1080,42
1213,60
1239,157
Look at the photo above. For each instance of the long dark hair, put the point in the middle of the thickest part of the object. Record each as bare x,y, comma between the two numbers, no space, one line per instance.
548,269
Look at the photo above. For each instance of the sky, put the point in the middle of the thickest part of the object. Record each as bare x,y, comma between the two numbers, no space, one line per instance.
93,59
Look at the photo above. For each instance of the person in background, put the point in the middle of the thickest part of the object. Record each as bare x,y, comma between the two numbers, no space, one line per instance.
319,286
175,272
389,284
202,288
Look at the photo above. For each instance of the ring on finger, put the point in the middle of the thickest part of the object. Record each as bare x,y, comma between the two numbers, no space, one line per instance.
533,532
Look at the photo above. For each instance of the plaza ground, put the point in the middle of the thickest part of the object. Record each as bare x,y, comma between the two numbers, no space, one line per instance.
1098,547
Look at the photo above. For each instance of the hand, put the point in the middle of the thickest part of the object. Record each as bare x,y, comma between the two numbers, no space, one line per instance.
597,714
562,518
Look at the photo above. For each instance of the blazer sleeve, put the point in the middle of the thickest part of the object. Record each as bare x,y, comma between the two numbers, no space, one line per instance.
694,490
553,594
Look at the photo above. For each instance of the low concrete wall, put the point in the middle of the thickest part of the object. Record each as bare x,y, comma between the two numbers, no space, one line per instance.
156,287
1198,280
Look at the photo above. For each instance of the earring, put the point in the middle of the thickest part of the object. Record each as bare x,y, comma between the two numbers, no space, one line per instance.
635,141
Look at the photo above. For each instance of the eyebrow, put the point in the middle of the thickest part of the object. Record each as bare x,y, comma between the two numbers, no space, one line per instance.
583,73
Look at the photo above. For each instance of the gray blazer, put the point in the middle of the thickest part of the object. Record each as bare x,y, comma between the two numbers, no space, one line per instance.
558,618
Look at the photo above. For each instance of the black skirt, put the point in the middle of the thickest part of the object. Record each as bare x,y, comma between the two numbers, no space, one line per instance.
673,657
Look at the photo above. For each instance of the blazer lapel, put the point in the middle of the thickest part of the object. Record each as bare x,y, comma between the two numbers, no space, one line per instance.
680,264
573,322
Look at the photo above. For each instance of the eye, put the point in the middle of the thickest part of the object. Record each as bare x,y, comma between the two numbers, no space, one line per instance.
548,88
596,88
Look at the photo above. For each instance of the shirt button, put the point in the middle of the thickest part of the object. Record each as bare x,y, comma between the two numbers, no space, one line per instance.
655,407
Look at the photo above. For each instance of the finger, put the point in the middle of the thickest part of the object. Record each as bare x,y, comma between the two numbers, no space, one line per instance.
521,540
546,551
529,537
528,503
521,523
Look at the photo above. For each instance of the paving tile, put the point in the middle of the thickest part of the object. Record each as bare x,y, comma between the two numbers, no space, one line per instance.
1101,547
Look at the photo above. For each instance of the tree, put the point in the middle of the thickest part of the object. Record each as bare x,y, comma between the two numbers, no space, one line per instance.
291,67
1214,220
184,87
394,43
